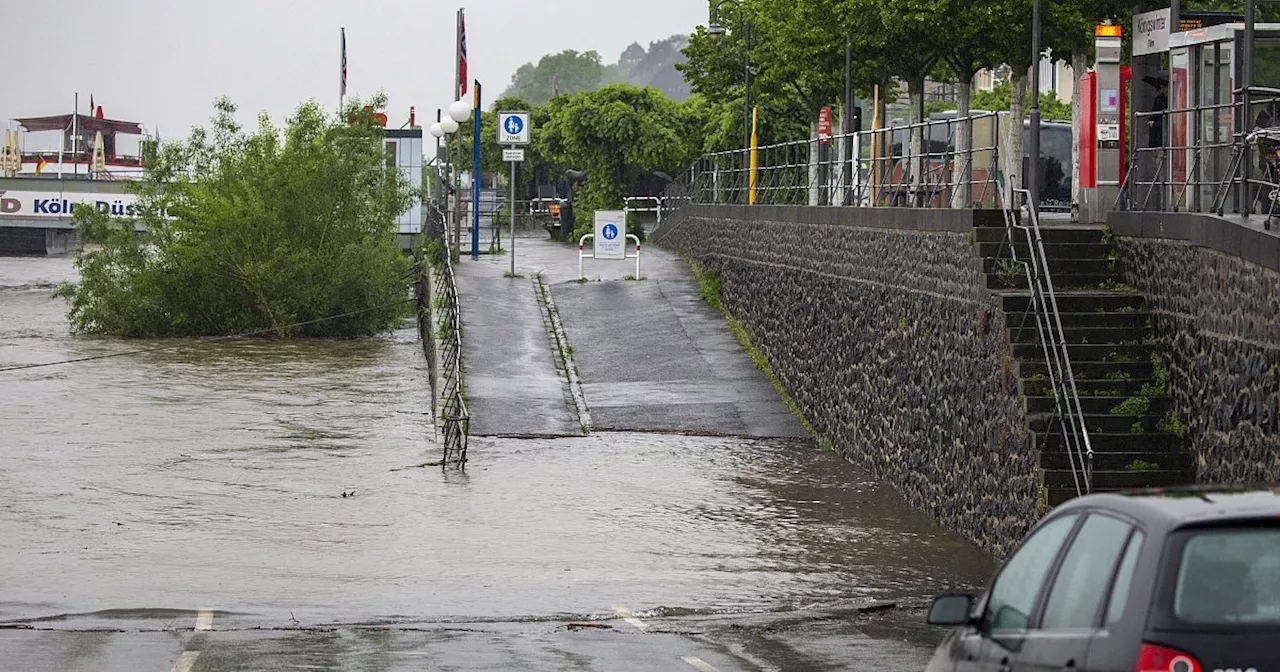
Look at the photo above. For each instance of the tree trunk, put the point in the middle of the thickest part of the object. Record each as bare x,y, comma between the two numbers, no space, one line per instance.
815,147
1012,134
1078,64
962,162
916,160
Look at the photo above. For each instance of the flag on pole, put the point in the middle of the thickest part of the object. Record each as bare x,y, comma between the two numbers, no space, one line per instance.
462,55
40,165
91,107
342,91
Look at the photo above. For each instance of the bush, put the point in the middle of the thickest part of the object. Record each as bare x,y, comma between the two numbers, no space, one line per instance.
291,233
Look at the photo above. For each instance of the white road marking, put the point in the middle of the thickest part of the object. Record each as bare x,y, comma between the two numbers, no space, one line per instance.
699,664
186,661
204,619
630,617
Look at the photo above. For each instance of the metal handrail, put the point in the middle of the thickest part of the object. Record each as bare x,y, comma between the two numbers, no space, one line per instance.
790,173
1053,342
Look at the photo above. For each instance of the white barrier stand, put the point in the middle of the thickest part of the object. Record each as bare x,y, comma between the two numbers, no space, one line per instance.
582,254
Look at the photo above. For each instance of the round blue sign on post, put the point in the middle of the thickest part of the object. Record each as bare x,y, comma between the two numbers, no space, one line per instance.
609,232
515,125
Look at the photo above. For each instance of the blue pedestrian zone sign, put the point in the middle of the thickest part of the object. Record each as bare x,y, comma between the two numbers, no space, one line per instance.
513,128
611,235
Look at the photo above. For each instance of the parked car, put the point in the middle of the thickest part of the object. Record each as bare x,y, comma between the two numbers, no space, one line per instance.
1174,580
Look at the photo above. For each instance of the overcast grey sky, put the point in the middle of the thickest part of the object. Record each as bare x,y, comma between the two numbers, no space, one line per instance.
162,62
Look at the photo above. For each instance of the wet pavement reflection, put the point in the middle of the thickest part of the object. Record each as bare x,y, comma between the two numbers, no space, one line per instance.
213,476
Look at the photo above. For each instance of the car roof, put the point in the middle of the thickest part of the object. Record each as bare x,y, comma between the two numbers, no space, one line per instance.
1170,508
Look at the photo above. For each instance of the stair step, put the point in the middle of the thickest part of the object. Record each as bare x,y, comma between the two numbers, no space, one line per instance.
1053,251
1180,461
1096,405
1078,352
1088,387
1114,319
1060,493
1078,302
1099,423
1122,479
1060,280
1149,443
1056,234
1057,266
1089,370
1083,335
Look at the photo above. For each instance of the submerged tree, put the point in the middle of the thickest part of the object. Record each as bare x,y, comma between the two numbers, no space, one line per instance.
290,233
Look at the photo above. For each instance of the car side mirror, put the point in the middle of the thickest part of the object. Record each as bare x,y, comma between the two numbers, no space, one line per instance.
953,609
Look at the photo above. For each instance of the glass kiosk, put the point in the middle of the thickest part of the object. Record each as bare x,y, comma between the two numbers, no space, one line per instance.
1202,120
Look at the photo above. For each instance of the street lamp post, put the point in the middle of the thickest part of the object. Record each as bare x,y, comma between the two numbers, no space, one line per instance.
1033,145
715,31
459,113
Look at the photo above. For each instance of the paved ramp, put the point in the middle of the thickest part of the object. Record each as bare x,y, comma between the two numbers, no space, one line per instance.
650,355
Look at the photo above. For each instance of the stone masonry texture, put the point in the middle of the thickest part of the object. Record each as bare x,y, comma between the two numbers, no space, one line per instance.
891,344
1219,318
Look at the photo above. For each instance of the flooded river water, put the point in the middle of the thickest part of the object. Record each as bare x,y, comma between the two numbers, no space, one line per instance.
212,476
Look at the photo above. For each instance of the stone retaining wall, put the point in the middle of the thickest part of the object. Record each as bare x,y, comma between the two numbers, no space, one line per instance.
880,325
1219,315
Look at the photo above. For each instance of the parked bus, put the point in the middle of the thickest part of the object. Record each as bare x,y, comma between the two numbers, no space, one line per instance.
893,176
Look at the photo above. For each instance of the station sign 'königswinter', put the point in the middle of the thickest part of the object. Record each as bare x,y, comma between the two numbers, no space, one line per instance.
60,205
1151,32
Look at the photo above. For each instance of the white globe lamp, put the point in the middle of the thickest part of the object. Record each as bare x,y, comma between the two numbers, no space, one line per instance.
437,131
460,111
448,125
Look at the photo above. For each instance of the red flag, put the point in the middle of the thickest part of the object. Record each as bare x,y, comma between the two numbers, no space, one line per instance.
462,55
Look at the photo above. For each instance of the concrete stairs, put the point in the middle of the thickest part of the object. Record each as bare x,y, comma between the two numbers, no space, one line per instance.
1133,428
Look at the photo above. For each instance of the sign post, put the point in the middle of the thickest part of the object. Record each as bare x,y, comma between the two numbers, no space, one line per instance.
513,129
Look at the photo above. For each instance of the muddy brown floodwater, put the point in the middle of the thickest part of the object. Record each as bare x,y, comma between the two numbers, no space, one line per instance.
212,476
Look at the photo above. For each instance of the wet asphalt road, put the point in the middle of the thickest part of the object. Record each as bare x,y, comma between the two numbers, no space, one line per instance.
140,490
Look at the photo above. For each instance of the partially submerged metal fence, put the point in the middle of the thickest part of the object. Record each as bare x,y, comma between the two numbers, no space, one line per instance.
929,165
440,326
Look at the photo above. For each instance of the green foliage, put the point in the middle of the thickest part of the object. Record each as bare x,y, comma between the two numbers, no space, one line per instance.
264,230
616,134
1143,465
1172,423
1008,271
709,287
1119,375
1137,405
999,99
573,71
1137,428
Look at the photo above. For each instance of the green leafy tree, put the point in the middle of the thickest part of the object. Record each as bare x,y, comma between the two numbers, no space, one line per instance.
998,98
616,134
288,232
570,70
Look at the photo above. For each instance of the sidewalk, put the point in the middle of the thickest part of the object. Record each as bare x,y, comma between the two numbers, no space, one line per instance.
651,356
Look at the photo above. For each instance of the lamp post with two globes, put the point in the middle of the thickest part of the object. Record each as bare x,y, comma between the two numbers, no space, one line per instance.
447,127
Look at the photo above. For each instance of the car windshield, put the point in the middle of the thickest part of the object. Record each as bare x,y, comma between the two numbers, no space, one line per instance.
1228,575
